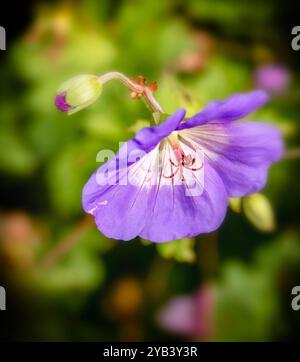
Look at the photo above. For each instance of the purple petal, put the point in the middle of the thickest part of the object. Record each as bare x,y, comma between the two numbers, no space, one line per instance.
61,104
231,109
122,212
177,214
114,205
241,153
148,137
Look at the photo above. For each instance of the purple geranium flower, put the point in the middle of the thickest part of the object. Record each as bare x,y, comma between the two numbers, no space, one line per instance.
222,157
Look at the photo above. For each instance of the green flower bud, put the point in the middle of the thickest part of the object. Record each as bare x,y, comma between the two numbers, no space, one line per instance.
259,212
77,93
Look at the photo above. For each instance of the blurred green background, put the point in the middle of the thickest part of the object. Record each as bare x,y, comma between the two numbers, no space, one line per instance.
66,281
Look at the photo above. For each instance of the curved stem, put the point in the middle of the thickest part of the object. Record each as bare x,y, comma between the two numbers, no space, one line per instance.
140,89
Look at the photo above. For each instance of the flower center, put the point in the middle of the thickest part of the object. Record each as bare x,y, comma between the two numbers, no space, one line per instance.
184,160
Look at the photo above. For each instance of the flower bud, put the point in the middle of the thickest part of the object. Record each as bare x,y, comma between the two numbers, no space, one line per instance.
77,93
259,212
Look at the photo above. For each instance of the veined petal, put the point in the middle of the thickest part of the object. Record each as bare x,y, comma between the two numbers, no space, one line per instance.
145,140
241,152
231,109
176,214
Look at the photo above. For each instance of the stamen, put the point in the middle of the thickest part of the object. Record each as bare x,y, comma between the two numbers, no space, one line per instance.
173,163
194,168
172,174
186,161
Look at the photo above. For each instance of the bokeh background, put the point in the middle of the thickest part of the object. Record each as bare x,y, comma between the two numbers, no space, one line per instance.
66,281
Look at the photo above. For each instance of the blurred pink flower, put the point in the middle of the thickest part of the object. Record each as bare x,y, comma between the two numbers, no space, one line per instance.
273,78
190,315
